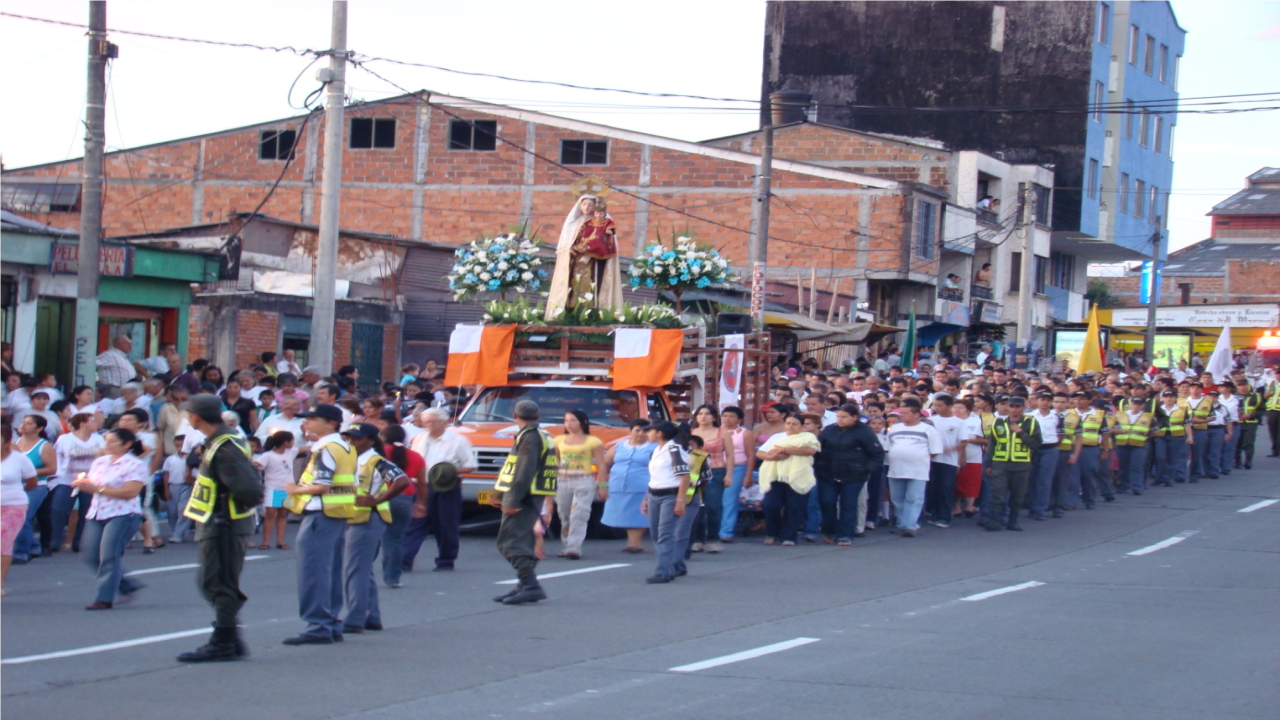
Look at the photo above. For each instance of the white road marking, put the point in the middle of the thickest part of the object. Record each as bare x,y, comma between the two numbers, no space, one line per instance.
1258,505
1001,591
103,648
1164,543
569,572
744,655
184,566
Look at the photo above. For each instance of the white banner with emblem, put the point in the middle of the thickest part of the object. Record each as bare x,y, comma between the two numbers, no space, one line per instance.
731,365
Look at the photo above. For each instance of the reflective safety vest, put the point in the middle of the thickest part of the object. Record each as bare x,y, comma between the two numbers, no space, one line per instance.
1007,446
988,419
1067,430
1273,398
544,481
699,472
364,481
1174,424
1133,434
339,501
1091,427
204,493
1249,405
1201,414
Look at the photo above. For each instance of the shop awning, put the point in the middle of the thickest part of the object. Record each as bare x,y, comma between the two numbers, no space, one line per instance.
810,329
933,332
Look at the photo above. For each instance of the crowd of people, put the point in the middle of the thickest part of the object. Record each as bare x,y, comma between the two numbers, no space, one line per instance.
373,469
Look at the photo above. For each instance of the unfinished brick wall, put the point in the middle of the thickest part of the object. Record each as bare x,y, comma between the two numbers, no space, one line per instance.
256,332
199,322
341,343
390,353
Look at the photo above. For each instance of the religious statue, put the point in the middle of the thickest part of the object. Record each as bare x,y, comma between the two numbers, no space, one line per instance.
587,268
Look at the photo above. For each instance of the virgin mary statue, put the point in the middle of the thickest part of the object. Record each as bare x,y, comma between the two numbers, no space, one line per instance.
582,276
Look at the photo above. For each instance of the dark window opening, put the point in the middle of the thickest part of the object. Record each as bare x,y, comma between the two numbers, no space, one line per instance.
584,152
1043,206
371,133
41,197
473,135
277,144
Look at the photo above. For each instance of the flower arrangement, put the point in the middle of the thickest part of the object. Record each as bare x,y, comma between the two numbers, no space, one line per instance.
684,265
497,265
520,312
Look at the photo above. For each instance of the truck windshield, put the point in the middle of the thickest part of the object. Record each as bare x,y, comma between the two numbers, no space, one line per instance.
603,406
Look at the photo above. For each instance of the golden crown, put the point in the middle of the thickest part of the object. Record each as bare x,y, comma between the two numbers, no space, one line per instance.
589,185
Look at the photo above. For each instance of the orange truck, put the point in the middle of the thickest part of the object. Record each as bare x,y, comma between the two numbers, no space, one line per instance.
565,369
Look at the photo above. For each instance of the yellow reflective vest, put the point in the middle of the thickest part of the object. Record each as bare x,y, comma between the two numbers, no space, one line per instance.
364,483
1273,395
1132,433
1070,426
1090,427
1201,414
1174,423
544,482
1250,405
339,500
204,493
1006,445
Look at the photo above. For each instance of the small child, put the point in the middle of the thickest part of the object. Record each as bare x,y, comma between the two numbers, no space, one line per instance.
541,526
276,464
176,479
812,423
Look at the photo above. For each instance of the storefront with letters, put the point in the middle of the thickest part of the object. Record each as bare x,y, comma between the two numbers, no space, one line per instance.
1185,329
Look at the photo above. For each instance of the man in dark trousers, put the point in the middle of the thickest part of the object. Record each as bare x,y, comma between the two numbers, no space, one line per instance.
522,484
1014,441
226,491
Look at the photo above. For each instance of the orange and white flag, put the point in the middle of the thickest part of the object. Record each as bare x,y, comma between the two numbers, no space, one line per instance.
645,358
479,354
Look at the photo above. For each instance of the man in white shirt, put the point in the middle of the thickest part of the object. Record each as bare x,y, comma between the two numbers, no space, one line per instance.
1181,372
945,467
437,510
287,419
1199,437
1044,462
1220,426
114,366
1230,403
815,404
912,444
287,364
982,355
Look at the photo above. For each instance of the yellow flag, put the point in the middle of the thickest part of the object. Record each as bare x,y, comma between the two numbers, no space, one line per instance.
1091,354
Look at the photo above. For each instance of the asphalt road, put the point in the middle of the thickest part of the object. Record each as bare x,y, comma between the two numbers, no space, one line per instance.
1065,620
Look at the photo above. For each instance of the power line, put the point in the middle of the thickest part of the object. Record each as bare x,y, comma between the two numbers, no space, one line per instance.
251,46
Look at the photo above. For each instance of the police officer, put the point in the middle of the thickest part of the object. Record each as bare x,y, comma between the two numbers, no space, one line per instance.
1271,396
377,481
1250,415
529,472
1172,440
1014,440
325,498
226,491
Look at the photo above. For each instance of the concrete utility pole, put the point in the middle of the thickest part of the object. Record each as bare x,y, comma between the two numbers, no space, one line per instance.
95,113
320,352
1153,301
1026,284
760,239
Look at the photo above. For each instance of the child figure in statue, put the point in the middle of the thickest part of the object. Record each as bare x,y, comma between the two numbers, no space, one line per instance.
595,246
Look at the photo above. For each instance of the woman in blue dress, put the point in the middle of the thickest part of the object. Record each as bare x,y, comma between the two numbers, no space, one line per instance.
627,465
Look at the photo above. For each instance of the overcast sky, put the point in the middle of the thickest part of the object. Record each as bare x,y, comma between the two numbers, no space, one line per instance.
163,89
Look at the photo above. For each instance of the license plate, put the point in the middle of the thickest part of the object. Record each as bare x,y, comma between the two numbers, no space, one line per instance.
487,497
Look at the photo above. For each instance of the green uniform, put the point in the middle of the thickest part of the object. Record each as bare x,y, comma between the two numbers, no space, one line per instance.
236,488
1013,447
515,534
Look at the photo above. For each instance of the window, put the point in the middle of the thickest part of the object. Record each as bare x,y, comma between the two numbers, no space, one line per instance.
1154,211
1129,110
1144,128
1015,272
1040,273
1149,58
1124,192
1158,141
296,336
473,135
1043,195
41,197
369,133
276,144
925,228
1092,185
1062,270
1134,35
605,407
1104,23
1139,197
1164,63
584,152
1099,93
1177,63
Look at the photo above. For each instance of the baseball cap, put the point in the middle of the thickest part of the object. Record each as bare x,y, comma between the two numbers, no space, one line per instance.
1016,401
361,430
331,413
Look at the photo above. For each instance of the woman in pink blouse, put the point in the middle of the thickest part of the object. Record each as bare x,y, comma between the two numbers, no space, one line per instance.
115,481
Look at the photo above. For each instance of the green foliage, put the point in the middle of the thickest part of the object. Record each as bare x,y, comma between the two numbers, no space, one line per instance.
1099,294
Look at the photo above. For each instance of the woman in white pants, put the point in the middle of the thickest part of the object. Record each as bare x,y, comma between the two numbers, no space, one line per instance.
581,457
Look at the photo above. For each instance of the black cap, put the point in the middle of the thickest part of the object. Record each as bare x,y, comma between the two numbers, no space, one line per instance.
1002,398
1017,401
331,413
1169,393
360,430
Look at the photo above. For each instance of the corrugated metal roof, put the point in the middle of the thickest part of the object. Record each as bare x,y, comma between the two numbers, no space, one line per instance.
1253,201
1208,258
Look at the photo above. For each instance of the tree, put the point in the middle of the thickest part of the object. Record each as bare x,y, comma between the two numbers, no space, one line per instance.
1100,294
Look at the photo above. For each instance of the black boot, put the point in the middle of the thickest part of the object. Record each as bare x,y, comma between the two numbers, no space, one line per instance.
528,591
220,648
502,598
1013,522
242,649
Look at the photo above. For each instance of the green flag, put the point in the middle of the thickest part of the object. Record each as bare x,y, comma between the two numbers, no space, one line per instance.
908,360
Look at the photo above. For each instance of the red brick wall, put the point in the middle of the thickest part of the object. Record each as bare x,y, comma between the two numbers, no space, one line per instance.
341,343
199,323
1245,282
390,353
808,229
256,332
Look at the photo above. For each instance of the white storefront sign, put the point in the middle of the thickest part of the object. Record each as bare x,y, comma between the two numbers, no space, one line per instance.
1263,315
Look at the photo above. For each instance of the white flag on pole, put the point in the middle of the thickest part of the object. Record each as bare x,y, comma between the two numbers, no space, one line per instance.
1220,362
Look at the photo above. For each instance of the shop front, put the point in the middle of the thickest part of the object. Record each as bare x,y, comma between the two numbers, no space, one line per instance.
1184,330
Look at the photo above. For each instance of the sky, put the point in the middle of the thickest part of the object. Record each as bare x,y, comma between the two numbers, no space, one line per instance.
163,89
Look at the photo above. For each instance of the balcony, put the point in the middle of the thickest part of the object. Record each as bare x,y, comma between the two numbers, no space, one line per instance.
988,217
981,292
952,294
1064,305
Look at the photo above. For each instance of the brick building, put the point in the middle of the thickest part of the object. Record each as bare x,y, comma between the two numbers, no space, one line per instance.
1238,263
